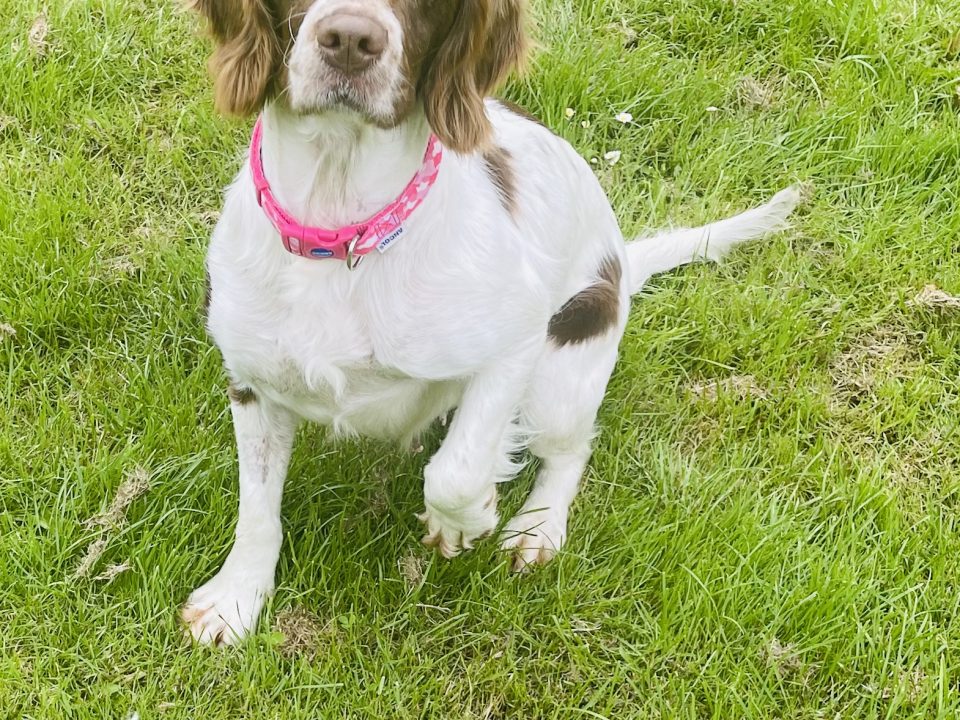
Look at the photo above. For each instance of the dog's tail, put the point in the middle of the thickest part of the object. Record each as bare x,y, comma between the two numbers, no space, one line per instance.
667,250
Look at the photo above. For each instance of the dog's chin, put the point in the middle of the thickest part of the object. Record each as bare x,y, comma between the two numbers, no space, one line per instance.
348,98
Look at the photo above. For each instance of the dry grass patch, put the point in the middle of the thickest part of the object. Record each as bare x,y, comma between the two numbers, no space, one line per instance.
94,552
888,351
785,660
755,94
782,658
37,37
911,684
136,484
121,265
702,431
628,34
740,387
933,297
412,570
113,571
302,631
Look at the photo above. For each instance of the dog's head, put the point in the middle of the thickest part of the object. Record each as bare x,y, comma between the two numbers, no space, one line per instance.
378,58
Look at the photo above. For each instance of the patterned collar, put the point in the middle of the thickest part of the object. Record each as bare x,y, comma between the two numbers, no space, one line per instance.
350,242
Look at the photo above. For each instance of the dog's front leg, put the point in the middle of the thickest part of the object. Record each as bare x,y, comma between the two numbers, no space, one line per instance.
226,608
460,491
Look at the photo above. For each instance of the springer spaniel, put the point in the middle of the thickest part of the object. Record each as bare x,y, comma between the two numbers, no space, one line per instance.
397,245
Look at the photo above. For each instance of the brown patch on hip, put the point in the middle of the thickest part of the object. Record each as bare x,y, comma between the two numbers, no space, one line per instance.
241,395
500,171
590,312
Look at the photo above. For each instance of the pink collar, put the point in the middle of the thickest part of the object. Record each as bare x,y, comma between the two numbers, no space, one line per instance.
349,242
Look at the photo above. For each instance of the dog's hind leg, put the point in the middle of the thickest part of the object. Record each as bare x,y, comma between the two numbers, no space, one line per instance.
559,412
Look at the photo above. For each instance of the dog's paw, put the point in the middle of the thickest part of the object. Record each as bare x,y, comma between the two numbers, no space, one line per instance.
224,610
453,532
533,537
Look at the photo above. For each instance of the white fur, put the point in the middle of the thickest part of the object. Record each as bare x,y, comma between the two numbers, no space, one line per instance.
455,314
224,608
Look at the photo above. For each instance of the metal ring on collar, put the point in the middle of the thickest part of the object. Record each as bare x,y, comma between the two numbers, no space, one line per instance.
353,261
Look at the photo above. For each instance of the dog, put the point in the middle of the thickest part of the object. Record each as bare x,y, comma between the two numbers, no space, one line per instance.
399,245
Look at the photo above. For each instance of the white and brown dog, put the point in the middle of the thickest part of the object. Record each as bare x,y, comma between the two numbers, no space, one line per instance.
399,245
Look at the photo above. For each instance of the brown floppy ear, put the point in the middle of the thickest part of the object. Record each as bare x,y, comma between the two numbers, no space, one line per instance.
486,41
247,53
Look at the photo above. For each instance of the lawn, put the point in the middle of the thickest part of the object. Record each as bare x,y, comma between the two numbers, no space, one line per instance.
769,528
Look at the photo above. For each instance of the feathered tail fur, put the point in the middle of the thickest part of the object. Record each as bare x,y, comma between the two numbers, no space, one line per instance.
670,249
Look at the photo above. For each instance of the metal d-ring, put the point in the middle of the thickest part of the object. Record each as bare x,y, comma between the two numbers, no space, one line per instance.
353,261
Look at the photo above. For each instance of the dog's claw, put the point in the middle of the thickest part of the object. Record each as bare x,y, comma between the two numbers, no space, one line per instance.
453,532
436,540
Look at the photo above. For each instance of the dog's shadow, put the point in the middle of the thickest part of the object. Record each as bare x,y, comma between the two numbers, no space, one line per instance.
349,515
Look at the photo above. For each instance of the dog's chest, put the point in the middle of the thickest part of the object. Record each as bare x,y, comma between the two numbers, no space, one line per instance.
292,333
335,347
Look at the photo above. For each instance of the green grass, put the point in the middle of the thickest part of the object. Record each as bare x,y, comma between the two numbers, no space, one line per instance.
784,545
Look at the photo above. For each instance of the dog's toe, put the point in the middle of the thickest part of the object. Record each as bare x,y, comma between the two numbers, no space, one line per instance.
533,538
223,611
208,626
452,533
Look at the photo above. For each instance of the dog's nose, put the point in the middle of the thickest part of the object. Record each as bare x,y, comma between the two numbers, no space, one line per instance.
351,43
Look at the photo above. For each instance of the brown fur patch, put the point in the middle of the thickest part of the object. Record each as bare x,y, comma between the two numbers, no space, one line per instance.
521,111
247,55
486,41
500,170
590,312
241,395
